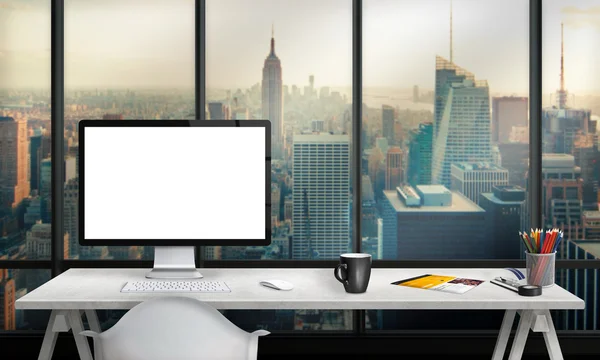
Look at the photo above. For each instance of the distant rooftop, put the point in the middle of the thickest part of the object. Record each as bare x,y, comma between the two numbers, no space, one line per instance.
479,166
551,160
459,202
506,195
509,188
557,156
444,64
433,189
409,195
321,138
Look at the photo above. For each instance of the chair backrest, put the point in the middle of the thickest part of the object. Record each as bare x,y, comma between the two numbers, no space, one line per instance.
179,328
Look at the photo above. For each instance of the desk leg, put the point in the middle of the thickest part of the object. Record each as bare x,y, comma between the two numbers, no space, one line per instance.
551,339
83,347
516,352
93,321
507,322
49,338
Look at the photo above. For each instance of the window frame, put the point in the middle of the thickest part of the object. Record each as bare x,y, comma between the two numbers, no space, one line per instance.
57,264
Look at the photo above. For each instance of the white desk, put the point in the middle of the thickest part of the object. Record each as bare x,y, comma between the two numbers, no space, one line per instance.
86,290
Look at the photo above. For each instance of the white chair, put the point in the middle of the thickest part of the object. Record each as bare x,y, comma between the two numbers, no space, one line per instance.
175,328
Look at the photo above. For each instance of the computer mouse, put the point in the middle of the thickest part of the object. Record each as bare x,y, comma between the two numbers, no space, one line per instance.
278,284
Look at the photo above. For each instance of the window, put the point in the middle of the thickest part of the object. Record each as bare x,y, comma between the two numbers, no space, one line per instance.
289,62
25,161
15,283
25,176
445,128
570,110
141,66
445,139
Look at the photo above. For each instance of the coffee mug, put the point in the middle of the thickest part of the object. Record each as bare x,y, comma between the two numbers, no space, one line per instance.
354,272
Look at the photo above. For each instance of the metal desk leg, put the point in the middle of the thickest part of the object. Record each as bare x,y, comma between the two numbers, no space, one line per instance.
551,339
516,352
500,349
93,321
83,347
50,337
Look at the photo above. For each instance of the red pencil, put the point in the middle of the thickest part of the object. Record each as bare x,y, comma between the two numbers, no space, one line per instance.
546,241
552,241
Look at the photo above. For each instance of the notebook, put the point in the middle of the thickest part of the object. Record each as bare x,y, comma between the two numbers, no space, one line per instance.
450,284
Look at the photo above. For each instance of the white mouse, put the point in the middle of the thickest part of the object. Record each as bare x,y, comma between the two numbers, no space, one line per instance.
278,284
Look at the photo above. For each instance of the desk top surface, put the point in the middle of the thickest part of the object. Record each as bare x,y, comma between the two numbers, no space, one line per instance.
313,289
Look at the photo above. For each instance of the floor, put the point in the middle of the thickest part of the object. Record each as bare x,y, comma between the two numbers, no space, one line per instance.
27,348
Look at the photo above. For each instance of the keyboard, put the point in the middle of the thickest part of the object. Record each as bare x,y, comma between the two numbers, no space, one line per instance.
168,286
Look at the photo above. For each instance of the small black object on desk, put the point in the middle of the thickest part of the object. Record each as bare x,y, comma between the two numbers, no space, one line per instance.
523,290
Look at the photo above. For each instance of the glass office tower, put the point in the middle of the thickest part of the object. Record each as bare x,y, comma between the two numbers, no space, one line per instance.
462,120
321,196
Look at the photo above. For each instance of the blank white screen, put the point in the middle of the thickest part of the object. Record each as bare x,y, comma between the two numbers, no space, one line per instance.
174,183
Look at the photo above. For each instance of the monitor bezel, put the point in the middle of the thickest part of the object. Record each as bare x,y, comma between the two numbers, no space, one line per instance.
83,124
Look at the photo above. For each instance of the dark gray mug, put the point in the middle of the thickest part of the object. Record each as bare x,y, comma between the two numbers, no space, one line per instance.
354,271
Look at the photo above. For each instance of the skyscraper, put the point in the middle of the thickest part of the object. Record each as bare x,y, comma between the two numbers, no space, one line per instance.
38,240
39,149
71,216
14,147
321,196
462,120
515,159
562,125
588,159
318,125
473,179
503,207
272,99
387,123
508,111
218,111
562,194
46,190
419,155
376,168
393,168
431,222
7,301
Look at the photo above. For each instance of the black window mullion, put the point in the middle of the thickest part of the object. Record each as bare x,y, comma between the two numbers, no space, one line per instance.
57,88
358,323
200,75
535,114
356,123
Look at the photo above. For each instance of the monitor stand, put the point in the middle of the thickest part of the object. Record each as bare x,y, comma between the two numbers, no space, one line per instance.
174,262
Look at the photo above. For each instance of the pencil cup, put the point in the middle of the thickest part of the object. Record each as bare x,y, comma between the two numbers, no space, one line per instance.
540,269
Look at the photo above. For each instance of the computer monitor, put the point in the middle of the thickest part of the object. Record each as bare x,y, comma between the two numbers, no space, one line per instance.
174,184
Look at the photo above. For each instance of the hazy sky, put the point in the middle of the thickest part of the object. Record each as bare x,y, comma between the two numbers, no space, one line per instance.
582,45
311,37
134,43
25,43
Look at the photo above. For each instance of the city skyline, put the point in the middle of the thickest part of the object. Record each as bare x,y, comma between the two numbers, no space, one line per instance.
323,50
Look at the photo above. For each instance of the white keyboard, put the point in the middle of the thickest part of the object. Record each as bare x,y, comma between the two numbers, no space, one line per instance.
175,287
